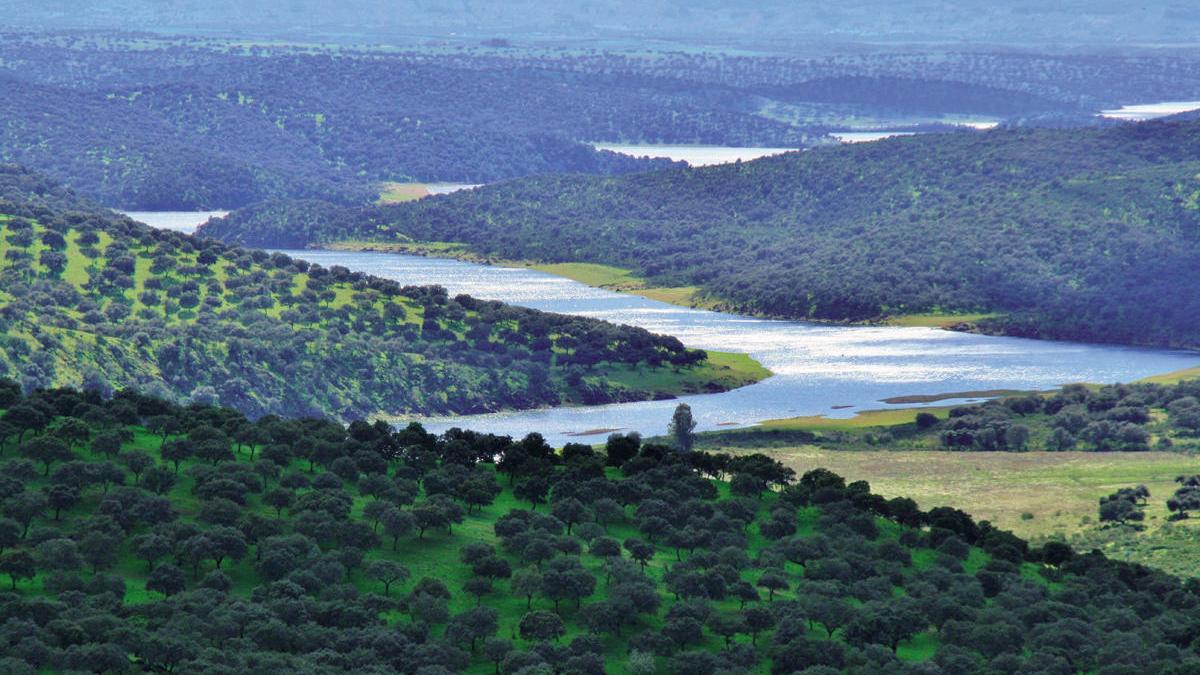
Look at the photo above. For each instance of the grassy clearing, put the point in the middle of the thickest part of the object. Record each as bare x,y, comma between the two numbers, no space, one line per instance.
1174,377
1059,489
722,371
862,420
440,249
600,276
396,193
622,280
1037,495
935,320
933,398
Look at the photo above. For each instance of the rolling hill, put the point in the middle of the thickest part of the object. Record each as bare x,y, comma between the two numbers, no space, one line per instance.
140,535
92,299
1086,234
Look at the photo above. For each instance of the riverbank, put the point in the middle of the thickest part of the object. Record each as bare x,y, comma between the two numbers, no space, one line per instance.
621,280
817,366
890,417
723,371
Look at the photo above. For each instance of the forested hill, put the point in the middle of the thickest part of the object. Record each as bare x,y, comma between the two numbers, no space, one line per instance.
1080,234
141,536
88,298
246,129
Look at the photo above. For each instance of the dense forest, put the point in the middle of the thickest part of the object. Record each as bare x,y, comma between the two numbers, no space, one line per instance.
1074,234
916,95
171,127
140,535
148,123
88,298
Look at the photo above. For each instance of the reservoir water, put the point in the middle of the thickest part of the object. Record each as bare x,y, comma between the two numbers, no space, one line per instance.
694,155
818,368
868,136
1148,111
180,221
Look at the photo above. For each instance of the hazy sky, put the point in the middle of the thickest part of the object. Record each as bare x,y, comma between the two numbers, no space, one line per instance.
1042,21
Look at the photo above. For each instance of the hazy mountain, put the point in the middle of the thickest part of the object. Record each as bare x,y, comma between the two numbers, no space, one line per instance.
1067,21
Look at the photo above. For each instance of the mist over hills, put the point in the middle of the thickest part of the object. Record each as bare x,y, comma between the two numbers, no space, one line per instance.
1022,21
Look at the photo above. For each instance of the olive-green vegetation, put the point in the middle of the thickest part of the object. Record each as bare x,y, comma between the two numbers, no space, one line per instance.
167,123
1035,464
1074,234
88,298
138,535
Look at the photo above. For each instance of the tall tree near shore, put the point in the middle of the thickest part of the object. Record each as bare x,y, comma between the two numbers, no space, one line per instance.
683,427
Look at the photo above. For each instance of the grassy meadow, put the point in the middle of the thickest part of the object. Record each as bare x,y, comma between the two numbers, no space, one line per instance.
396,193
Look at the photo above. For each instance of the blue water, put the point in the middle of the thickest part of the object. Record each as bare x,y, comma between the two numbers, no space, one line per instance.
818,368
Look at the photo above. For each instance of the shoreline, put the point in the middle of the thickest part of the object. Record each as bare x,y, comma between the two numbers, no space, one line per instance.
621,280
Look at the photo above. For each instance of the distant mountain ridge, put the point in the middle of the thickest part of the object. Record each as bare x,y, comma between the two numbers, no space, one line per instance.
1023,21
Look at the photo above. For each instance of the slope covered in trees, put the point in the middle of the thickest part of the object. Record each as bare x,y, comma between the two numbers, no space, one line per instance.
91,298
139,535
148,123
1080,234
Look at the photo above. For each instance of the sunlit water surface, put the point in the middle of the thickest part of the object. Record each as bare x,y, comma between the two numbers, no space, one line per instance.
1148,111
818,368
694,155
180,221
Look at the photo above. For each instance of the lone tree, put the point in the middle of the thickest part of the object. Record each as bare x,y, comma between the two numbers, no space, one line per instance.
387,572
683,427
1123,505
1186,498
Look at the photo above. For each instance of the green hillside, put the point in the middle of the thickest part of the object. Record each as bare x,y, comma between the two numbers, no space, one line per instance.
142,536
91,299
1074,234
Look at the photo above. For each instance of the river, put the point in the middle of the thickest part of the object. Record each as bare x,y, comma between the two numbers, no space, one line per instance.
819,369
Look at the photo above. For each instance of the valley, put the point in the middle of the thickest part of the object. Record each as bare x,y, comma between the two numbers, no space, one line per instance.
1037,229
815,367
400,337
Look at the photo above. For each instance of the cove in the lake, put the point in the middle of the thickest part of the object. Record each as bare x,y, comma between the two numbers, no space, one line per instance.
694,155
180,221
816,366
1148,111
